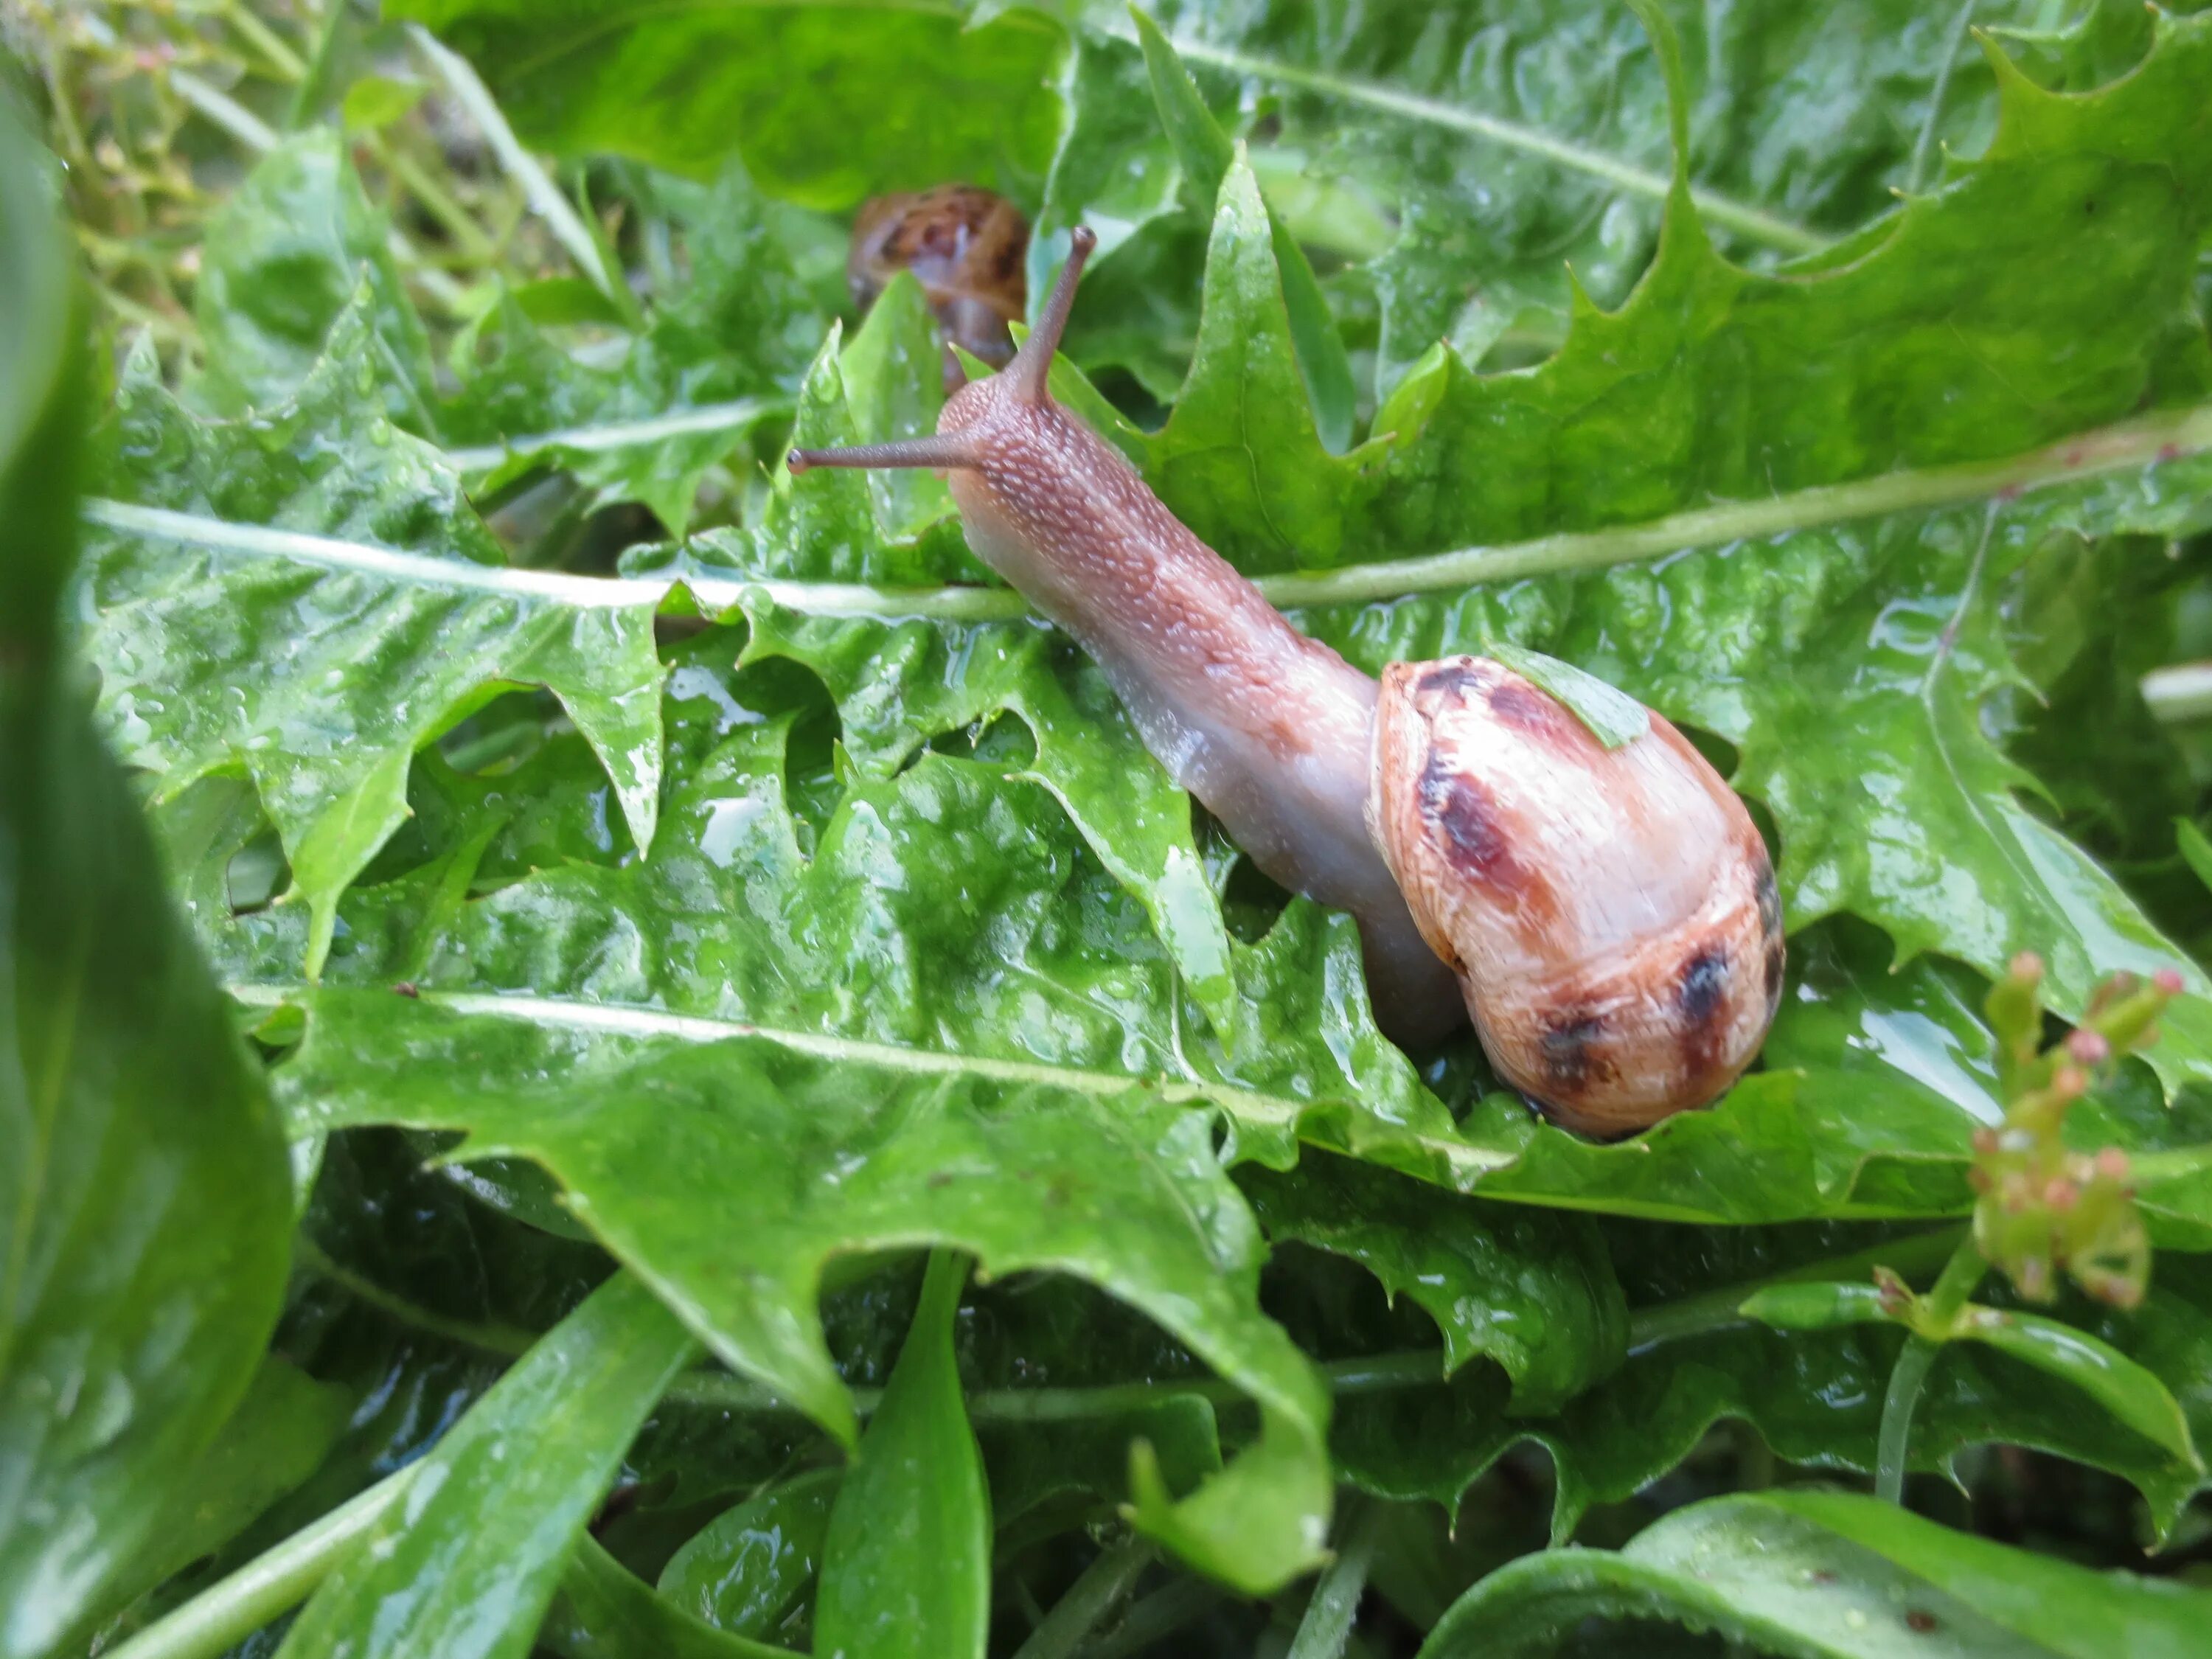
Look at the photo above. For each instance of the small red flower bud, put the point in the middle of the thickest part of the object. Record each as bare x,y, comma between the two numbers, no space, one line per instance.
2112,1163
2090,1048
2168,980
2061,1194
2068,1082
2026,966
1985,1141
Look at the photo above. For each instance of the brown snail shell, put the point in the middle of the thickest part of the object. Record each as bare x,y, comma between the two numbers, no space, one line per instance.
967,247
1612,913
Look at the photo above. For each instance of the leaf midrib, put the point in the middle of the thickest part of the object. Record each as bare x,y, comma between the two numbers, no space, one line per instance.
630,1019
2129,445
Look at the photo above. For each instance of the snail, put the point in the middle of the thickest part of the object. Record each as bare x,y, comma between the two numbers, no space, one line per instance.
968,249
1608,917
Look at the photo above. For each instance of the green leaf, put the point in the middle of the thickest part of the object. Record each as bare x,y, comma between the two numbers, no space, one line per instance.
468,1560
1207,154
375,102
275,1438
821,112
1614,719
720,354
603,1610
644,1130
292,248
1815,1307
1713,382
749,1566
906,1559
146,1198
899,685
1821,1573
222,650
1813,1396
1534,1293
1241,459
2132,1392
2194,849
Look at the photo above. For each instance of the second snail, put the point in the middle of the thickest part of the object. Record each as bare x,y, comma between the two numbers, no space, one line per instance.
1606,917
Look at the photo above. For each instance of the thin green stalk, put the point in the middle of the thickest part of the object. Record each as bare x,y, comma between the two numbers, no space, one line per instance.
226,112
545,198
1716,1310
505,1340
469,237
314,86
273,1583
265,40
1960,1274
1326,1626
1089,1599
1158,1616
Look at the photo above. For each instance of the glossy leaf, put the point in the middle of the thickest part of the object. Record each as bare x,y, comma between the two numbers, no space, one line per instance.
1816,1306
1826,1574
1206,154
1814,1397
906,1559
746,1568
718,356
603,1612
1536,1293
468,1561
825,113
224,653
2132,1392
292,249
145,1199
879,1150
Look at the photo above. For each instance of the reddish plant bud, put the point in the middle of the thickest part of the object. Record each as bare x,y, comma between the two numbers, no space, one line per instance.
2112,1163
2168,980
2068,1082
2088,1046
1985,1141
2026,966
2061,1194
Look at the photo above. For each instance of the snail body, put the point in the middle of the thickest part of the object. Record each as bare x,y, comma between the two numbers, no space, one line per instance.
1607,918
969,250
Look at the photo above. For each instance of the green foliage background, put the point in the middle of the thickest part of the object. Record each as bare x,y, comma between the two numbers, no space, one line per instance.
668,899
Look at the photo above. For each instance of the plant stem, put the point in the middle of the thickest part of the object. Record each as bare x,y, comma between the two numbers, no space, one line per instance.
544,196
227,1612
469,237
1326,1626
1088,1600
1939,1308
1716,1310
1158,1615
265,40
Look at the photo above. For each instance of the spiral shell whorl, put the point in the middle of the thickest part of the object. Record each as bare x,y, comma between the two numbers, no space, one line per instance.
1612,914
